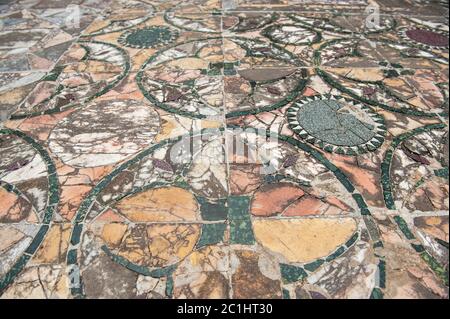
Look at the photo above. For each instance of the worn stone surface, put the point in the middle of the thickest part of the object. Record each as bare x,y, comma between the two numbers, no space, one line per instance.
301,241
199,149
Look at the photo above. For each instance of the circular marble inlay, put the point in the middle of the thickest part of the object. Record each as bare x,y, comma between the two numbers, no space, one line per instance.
147,37
337,124
427,37
194,78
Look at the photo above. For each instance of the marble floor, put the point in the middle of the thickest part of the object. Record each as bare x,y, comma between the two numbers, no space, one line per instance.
224,149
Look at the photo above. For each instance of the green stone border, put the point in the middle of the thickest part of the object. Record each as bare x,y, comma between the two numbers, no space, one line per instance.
85,206
274,16
335,84
289,98
100,32
145,271
50,210
292,273
87,203
195,115
337,29
55,73
386,164
407,111
440,270
237,221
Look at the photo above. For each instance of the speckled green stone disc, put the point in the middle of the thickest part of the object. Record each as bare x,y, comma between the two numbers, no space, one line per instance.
150,37
337,124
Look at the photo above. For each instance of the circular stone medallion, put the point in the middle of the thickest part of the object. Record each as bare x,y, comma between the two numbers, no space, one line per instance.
337,124
150,37
195,77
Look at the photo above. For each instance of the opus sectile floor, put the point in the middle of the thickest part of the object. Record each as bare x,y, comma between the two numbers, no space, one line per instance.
319,162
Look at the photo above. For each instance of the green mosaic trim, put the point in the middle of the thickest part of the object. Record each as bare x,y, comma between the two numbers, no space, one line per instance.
241,232
361,204
443,172
404,227
169,286
328,79
311,267
377,293
386,164
87,53
238,207
106,89
13,189
145,271
142,270
266,21
334,28
290,58
352,240
15,270
407,111
53,74
382,273
291,273
442,242
52,203
418,247
88,201
440,270
301,85
153,99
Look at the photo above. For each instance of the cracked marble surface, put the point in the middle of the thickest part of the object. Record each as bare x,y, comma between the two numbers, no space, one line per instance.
224,149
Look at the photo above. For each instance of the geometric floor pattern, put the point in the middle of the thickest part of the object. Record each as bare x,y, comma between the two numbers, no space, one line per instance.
224,149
